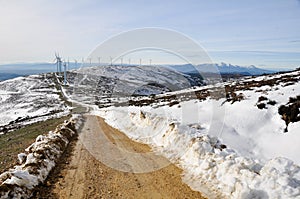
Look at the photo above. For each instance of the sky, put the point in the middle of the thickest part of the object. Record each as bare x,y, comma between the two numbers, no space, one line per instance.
249,32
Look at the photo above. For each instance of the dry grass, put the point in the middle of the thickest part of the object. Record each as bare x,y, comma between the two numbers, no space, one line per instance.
13,143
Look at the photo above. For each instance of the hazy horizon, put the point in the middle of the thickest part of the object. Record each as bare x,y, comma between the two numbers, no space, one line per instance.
28,67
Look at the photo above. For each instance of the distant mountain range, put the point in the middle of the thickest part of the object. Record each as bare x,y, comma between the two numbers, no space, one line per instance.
5,76
30,68
9,71
222,68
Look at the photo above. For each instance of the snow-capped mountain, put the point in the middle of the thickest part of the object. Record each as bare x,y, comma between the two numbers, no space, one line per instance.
222,68
252,70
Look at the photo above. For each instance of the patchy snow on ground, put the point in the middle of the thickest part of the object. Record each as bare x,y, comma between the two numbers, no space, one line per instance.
235,150
30,99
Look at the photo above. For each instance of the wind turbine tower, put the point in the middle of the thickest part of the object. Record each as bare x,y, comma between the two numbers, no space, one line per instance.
58,63
110,60
65,73
75,63
99,59
90,59
82,62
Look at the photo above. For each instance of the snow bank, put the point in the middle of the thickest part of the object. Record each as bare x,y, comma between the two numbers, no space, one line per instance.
209,166
37,161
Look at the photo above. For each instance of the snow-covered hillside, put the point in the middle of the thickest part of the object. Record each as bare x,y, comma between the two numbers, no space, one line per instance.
95,85
236,139
243,143
25,100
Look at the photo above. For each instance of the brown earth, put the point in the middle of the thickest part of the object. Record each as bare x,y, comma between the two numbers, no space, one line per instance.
82,174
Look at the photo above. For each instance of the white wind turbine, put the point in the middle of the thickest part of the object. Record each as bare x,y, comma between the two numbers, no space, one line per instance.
58,63
110,60
65,72
82,62
90,59
75,63
99,60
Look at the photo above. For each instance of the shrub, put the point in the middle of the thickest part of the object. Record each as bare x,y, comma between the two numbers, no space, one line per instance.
262,98
261,106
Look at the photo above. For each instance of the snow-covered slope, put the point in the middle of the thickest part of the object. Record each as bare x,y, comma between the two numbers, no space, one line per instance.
243,146
29,99
92,85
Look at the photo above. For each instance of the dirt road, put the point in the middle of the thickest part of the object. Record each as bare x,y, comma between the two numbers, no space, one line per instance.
85,176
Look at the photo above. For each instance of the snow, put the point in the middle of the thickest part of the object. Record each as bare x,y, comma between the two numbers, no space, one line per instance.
226,150
37,161
21,157
123,81
22,178
32,98
203,160
259,160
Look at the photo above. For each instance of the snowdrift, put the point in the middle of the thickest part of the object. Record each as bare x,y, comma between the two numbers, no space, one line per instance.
209,166
37,161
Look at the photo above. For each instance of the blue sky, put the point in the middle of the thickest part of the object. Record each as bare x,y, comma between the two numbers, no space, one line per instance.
263,33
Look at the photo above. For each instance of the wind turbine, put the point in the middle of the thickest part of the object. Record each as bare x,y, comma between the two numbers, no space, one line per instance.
99,59
110,60
82,62
129,61
122,61
150,61
58,63
90,59
140,62
75,63
65,72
